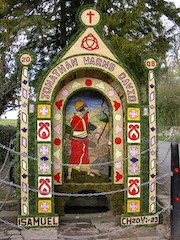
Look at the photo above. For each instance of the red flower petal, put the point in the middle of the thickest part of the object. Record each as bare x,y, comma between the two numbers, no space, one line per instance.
88,82
57,141
118,176
57,177
118,140
116,105
59,104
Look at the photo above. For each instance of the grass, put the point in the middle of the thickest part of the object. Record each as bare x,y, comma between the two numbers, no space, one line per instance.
12,122
4,190
2,194
168,139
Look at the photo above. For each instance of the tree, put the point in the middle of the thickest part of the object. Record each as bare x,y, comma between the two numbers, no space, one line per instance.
137,27
45,27
169,89
169,98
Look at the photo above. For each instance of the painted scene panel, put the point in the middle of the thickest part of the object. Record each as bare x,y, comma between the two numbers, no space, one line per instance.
87,138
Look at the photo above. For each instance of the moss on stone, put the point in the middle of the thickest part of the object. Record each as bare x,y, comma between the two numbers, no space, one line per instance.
116,200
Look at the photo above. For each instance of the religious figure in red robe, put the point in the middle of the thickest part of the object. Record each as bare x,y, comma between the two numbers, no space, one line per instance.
79,143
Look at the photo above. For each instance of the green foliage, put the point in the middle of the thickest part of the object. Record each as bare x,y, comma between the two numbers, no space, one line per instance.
46,27
145,163
136,27
168,97
7,133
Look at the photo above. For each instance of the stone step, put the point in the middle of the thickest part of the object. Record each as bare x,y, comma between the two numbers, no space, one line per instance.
40,234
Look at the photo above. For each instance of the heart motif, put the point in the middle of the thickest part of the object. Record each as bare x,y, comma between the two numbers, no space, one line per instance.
57,177
59,104
116,105
118,176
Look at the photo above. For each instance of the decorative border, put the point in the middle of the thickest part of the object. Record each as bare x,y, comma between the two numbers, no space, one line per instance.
117,138
151,64
152,143
24,143
88,61
45,174
134,160
25,60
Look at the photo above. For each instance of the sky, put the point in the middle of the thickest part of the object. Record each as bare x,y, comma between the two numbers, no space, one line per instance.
177,3
10,115
14,114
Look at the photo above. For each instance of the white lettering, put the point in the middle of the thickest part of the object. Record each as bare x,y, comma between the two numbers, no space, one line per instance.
38,221
141,220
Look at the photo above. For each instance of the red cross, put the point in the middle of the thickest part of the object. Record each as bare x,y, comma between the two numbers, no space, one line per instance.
90,14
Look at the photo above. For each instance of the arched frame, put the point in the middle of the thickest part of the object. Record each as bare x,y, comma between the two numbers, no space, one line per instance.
57,87
117,132
103,64
53,96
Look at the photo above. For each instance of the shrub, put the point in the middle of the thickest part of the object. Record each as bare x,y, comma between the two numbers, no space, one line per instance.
7,133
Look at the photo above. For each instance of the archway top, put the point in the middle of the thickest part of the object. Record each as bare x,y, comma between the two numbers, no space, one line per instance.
69,65
89,40
89,50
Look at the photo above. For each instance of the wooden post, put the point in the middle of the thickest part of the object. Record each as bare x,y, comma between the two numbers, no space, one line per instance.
11,172
175,191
